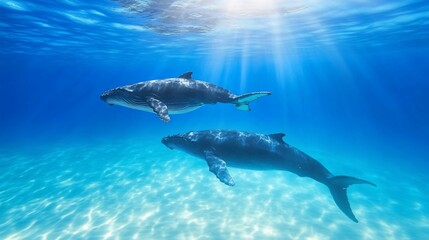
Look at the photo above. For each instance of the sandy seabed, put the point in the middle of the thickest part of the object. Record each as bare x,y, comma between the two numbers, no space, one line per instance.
135,190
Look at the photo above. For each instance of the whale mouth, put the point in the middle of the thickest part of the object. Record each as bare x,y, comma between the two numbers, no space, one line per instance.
174,141
104,96
166,142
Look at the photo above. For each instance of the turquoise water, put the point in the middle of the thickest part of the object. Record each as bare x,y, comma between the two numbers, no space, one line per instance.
135,189
349,87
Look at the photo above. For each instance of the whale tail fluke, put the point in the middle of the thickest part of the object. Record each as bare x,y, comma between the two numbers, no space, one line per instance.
242,101
338,187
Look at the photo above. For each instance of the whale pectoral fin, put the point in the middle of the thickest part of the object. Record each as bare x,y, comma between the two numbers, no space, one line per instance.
218,167
159,108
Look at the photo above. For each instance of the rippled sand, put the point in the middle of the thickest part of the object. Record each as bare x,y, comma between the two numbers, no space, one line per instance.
135,190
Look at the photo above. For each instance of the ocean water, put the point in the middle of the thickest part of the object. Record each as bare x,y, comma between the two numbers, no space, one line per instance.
349,83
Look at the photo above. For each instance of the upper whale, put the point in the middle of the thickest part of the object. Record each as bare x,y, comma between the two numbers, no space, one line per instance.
175,96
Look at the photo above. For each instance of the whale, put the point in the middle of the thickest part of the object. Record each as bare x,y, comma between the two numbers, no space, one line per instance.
227,148
175,96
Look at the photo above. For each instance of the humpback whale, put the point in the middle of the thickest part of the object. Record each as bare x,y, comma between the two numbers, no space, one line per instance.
175,96
260,152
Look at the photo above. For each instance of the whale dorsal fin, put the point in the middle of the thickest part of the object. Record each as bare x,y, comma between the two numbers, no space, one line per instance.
187,75
278,137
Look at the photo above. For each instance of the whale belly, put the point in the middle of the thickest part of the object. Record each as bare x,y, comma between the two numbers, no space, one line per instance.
179,108
172,108
184,110
140,107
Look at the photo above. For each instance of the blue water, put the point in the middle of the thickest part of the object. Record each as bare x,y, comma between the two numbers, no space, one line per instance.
349,83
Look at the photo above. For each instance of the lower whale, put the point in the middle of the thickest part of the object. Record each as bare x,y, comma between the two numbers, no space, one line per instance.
260,152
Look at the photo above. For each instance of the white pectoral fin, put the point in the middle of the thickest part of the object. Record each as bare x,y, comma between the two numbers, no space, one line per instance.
218,167
159,108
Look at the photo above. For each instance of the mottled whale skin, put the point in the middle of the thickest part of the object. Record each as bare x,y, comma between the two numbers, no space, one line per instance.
175,96
260,152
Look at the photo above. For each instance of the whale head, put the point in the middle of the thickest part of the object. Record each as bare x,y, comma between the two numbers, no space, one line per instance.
178,141
187,142
116,96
